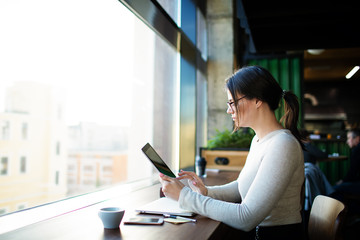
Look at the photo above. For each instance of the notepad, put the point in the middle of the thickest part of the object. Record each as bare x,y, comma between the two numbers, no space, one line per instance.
164,206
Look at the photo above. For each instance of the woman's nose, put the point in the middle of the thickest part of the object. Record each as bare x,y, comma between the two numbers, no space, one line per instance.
229,110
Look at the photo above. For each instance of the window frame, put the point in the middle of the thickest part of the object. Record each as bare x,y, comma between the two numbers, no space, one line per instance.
14,220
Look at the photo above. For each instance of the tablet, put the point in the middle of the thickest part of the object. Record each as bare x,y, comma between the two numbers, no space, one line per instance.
157,161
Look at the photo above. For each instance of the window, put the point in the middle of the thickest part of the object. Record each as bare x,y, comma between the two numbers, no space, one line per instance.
57,148
5,130
3,211
172,8
201,34
21,206
57,178
95,85
188,19
201,82
23,164
24,131
4,166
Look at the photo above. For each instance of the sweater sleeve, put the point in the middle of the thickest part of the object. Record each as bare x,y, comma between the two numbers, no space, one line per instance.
272,179
226,212
228,192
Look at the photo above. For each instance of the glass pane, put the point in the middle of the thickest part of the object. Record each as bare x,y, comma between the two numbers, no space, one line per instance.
188,113
83,86
201,34
188,19
172,8
201,111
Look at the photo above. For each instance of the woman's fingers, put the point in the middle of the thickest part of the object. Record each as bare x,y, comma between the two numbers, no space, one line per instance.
165,178
195,182
171,187
182,172
187,175
190,176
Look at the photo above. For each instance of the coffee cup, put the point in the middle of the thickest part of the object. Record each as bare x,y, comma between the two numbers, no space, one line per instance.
111,217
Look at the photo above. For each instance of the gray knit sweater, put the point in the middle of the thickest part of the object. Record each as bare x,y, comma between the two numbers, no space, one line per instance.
267,191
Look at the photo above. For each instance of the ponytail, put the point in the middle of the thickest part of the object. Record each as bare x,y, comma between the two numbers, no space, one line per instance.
291,115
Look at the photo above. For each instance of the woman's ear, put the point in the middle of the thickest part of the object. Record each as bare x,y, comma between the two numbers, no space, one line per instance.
258,103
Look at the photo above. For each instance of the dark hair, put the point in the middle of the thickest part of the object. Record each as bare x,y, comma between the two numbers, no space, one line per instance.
304,133
257,82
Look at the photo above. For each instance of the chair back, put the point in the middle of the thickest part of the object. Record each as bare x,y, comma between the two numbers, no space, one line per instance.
326,218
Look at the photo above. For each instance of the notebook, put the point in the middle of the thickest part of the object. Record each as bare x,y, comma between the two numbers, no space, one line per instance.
164,206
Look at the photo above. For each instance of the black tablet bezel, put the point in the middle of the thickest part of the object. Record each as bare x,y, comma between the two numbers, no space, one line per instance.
158,162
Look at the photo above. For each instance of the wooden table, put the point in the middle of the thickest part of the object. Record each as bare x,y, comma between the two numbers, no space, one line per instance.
85,224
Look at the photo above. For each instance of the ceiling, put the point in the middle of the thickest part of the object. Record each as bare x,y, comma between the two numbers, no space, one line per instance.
285,27
331,64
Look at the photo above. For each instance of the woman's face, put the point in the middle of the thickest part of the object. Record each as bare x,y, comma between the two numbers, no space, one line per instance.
244,109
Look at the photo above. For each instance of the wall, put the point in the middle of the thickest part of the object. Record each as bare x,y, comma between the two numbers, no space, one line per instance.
220,61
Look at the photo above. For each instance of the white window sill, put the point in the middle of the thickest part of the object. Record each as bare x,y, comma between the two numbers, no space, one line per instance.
16,220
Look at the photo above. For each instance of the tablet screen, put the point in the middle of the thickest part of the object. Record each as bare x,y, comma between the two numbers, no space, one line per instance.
157,161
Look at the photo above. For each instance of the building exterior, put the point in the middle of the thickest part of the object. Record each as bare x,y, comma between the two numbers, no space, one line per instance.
97,157
33,147
43,160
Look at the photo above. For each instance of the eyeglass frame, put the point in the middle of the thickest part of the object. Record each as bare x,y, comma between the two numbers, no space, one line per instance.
230,104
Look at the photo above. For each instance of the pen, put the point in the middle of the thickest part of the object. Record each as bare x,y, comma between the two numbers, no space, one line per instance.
179,217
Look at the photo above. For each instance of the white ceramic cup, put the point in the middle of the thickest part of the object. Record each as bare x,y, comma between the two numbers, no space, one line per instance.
111,217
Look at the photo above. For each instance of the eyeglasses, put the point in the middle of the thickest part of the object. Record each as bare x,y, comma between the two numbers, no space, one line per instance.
231,104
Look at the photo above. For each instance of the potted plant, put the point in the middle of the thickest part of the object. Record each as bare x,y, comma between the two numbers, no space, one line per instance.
228,150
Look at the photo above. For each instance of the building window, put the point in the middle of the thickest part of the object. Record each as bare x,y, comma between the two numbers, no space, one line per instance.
3,211
21,206
57,148
4,166
57,178
23,164
5,130
24,131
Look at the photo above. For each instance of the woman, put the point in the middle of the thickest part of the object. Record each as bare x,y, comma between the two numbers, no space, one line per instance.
265,199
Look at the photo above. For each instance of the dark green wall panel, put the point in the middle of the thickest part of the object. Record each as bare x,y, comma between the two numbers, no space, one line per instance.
335,170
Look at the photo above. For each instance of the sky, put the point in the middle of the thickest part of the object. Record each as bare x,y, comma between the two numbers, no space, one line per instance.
75,45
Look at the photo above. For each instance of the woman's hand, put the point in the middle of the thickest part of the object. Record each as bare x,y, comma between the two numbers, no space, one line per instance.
195,182
171,187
